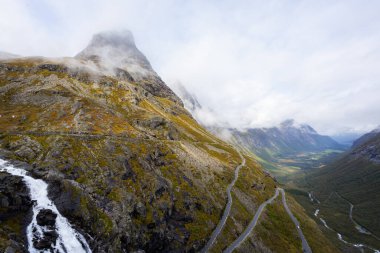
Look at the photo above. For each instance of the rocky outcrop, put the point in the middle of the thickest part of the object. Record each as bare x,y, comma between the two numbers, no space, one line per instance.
367,147
15,207
25,148
46,218
116,53
14,196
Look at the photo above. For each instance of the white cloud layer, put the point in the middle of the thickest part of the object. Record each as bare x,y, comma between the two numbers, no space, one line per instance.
255,63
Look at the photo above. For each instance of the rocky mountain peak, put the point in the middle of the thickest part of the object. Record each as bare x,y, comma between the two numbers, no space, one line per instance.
292,124
112,50
122,39
189,100
376,130
287,123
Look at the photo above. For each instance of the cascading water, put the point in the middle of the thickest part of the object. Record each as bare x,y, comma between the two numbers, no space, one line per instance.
66,238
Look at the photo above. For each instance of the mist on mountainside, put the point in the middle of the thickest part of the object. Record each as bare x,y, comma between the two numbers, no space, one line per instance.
189,126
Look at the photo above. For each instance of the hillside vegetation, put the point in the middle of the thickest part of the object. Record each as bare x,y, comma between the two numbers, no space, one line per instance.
126,163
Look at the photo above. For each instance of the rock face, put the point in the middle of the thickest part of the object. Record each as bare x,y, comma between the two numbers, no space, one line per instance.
26,148
190,101
115,53
46,217
15,206
367,147
116,50
45,243
14,196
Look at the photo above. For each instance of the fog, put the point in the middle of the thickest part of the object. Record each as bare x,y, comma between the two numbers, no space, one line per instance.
250,63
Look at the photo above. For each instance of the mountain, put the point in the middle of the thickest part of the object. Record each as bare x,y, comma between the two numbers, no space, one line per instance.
282,150
287,148
124,161
204,115
189,100
366,137
347,138
289,137
5,55
354,179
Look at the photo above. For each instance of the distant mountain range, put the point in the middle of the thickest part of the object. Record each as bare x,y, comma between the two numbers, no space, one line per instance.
289,138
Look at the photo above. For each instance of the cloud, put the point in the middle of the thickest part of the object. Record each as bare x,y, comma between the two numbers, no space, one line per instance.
254,63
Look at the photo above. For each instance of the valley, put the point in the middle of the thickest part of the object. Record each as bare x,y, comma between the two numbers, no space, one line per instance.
301,159
345,193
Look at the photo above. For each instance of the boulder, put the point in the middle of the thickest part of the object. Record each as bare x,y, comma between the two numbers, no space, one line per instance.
15,206
140,209
49,238
25,152
26,148
46,217
129,173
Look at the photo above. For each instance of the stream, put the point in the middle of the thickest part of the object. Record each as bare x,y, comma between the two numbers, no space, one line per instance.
340,237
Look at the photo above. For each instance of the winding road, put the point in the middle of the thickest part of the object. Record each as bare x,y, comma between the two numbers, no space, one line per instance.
227,210
305,246
252,224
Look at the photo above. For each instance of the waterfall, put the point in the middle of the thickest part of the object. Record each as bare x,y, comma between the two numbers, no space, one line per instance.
67,238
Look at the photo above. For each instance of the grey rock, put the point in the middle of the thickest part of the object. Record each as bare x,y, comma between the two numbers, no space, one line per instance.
25,152
46,217
10,249
26,148
129,173
140,209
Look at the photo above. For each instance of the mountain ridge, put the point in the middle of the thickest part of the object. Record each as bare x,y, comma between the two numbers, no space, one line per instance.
125,162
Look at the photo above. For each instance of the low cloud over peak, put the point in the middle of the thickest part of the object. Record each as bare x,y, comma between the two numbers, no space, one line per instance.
254,63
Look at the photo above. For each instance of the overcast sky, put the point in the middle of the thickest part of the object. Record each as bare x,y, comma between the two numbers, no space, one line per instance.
254,63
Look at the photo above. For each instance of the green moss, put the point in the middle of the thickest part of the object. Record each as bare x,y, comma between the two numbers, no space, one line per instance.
103,224
115,195
44,72
105,221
